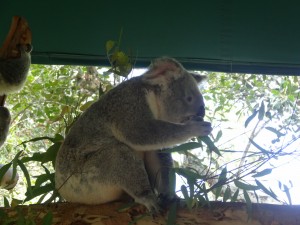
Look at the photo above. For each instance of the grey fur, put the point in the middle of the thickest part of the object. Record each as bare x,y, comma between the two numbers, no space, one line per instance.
115,145
13,72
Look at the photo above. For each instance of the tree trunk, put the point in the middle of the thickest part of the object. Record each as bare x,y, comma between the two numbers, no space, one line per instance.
118,214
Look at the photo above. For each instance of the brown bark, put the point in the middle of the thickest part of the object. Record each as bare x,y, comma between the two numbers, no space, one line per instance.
117,214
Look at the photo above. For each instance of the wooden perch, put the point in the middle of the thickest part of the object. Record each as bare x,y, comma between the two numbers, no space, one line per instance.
117,214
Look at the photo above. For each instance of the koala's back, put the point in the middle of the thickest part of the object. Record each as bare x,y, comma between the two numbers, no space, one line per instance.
93,134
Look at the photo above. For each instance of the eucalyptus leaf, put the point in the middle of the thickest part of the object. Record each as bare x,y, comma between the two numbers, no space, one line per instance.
261,111
211,146
250,118
278,133
263,173
183,147
244,186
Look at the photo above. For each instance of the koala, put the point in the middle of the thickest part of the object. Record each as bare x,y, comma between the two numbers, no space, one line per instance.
13,71
115,145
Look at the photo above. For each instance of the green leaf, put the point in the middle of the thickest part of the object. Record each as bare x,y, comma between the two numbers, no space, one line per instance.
263,173
172,214
218,190
48,156
248,120
86,105
221,180
211,146
172,181
235,195
6,202
15,202
261,111
248,203
186,196
38,191
188,173
26,174
227,194
38,139
243,186
219,135
184,147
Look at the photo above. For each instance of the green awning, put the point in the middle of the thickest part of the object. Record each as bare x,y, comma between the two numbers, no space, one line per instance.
221,35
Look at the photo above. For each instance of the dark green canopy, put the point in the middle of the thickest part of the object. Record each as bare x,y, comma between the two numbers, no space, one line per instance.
258,36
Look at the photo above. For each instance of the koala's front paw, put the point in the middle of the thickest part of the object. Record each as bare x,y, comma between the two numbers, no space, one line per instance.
200,127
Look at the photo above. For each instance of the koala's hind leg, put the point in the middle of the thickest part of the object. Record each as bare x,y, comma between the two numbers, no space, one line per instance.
126,170
158,166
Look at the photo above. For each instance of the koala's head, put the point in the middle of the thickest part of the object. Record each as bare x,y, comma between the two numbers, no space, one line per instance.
177,97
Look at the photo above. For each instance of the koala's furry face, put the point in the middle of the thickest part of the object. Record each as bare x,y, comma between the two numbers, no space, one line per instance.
182,100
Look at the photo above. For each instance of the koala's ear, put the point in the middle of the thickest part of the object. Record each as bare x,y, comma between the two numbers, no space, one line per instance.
163,71
199,78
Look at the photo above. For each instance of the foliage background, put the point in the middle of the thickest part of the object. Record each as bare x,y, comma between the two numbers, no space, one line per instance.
266,107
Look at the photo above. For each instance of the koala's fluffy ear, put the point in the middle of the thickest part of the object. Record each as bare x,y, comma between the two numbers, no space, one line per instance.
199,78
163,71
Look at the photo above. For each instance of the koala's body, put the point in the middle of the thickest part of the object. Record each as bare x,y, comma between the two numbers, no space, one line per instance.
114,147
13,74
13,71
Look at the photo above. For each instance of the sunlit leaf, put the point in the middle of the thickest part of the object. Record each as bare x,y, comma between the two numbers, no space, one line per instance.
38,191
86,105
26,174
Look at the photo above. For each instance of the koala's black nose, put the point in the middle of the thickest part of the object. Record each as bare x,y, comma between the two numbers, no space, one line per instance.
201,111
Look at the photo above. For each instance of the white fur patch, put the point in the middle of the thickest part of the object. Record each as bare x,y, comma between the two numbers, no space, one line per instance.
153,104
90,193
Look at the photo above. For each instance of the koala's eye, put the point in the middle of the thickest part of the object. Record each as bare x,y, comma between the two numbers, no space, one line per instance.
189,99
